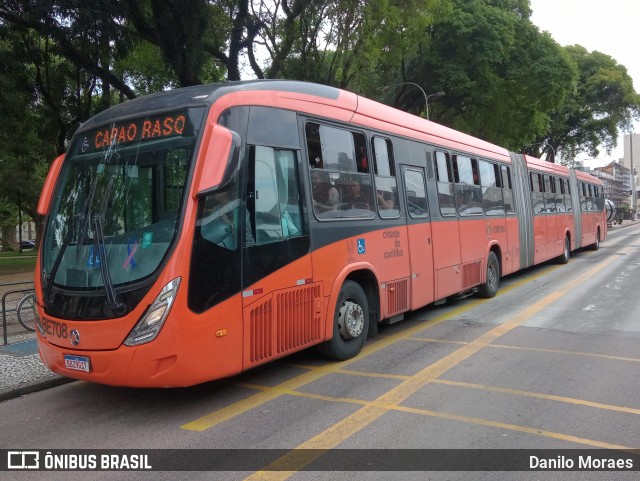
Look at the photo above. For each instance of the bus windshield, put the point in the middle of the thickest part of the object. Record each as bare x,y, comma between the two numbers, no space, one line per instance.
117,206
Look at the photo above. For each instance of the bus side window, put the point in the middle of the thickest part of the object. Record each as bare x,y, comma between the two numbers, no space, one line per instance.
218,219
386,187
467,188
314,149
599,199
507,189
537,193
491,188
341,150
445,184
549,194
416,194
278,210
567,195
559,186
342,154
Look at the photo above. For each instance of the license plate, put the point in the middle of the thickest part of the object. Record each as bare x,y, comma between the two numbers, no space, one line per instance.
77,363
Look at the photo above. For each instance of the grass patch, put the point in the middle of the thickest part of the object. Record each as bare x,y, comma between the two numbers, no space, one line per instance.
15,263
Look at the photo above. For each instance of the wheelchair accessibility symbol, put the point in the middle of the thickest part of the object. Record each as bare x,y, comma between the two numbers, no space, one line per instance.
361,246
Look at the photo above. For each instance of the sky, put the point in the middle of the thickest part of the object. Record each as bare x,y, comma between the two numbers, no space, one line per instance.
610,26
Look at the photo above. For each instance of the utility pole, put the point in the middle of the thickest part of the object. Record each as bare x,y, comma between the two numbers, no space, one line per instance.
634,200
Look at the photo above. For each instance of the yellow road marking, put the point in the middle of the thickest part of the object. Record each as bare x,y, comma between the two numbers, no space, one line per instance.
571,353
224,414
473,420
355,422
373,374
533,349
516,392
300,458
237,408
548,397
485,387
442,341
514,427
308,395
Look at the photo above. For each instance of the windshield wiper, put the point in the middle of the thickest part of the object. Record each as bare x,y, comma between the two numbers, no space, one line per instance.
98,237
56,265
86,216
118,307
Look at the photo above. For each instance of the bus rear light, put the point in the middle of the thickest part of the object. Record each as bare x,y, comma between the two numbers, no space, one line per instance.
153,319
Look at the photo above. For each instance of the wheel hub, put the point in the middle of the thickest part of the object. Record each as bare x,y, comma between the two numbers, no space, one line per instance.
350,320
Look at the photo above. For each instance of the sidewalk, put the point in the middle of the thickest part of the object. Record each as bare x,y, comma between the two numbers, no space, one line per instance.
625,223
22,371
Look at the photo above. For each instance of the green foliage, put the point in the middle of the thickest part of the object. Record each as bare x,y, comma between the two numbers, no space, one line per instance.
65,60
146,70
347,43
502,78
189,37
601,104
8,213
30,126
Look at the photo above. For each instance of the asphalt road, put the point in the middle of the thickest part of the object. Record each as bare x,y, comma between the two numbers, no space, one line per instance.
551,363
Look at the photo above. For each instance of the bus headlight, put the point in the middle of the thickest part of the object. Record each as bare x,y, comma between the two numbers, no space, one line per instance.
151,322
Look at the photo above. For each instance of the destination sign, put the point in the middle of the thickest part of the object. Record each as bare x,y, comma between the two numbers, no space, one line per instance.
121,133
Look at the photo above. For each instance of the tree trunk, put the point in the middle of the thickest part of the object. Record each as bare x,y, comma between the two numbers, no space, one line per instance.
9,242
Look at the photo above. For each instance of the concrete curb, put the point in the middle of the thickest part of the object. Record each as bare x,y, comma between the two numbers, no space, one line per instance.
33,386
620,226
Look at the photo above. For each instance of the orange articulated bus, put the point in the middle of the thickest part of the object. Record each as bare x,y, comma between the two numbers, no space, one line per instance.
196,233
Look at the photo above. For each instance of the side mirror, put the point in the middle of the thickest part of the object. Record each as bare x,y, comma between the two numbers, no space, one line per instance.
44,204
217,160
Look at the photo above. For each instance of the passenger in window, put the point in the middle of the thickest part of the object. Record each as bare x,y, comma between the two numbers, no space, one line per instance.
385,200
325,196
363,162
357,197
316,163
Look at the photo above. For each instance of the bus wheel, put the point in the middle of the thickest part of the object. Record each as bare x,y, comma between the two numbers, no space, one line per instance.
490,287
596,245
350,324
564,257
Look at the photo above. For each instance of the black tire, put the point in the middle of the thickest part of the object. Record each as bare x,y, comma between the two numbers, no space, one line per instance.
596,245
566,254
492,283
350,324
26,312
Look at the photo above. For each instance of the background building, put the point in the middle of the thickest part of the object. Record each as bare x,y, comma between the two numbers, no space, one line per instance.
617,183
631,161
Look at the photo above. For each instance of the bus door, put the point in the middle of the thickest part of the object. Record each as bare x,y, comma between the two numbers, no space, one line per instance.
588,219
539,218
419,235
447,258
554,244
281,303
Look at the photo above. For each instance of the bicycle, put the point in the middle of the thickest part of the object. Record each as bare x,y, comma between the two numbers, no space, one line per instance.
26,311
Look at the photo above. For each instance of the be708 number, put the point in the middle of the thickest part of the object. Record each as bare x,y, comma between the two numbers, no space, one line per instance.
54,328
